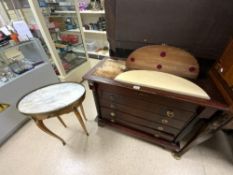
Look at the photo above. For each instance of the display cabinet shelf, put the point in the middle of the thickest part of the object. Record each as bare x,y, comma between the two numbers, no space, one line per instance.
87,31
95,32
92,12
65,11
102,53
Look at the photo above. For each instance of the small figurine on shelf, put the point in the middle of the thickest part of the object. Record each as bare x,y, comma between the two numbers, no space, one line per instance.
101,24
95,5
14,37
83,5
70,24
102,4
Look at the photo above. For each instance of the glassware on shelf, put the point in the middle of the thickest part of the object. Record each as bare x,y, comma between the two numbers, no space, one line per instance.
19,58
20,66
6,74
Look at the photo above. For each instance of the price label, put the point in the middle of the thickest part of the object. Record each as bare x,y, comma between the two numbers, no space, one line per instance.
136,87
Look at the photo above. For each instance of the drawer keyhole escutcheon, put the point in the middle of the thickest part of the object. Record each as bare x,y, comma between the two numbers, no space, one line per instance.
164,121
113,114
160,128
170,114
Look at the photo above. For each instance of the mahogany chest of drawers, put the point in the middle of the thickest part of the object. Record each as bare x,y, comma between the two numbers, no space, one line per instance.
174,122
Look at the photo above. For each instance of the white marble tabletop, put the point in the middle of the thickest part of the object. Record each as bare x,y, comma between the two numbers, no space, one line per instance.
51,98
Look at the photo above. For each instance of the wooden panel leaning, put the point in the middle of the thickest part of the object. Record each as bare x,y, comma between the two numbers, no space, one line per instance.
164,58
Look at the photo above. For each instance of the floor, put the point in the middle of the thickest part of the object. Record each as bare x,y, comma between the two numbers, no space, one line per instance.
104,152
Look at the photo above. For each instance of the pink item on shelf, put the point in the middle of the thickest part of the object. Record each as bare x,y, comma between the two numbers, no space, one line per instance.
72,39
83,4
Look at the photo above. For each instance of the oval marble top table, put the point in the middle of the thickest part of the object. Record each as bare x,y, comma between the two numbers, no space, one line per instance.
51,98
162,81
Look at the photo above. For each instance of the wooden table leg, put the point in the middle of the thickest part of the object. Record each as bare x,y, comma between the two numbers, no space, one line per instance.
80,120
82,111
41,125
62,122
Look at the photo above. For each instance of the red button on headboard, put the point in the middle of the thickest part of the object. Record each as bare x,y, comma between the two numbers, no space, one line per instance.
159,66
192,69
163,54
132,59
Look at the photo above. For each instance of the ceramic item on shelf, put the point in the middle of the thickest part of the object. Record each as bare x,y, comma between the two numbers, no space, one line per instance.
91,45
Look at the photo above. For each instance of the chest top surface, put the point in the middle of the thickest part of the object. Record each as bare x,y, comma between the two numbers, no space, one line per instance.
51,98
97,75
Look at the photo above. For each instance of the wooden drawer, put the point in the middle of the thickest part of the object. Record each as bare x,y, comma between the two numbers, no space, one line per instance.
115,116
166,111
155,133
145,114
130,93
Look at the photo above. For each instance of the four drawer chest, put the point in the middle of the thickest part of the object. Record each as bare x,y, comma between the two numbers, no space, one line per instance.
172,121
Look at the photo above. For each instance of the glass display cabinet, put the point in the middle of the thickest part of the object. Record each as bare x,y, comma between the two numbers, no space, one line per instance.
23,67
55,19
20,58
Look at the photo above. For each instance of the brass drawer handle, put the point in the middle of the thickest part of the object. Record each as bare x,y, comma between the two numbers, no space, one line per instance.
215,124
164,121
160,128
170,114
113,114
156,135
3,107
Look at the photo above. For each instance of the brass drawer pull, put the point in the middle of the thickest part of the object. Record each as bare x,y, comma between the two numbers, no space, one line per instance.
164,121
113,114
215,124
170,114
160,128
3,107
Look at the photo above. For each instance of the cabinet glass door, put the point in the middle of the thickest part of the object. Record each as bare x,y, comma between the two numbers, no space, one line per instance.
64,27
